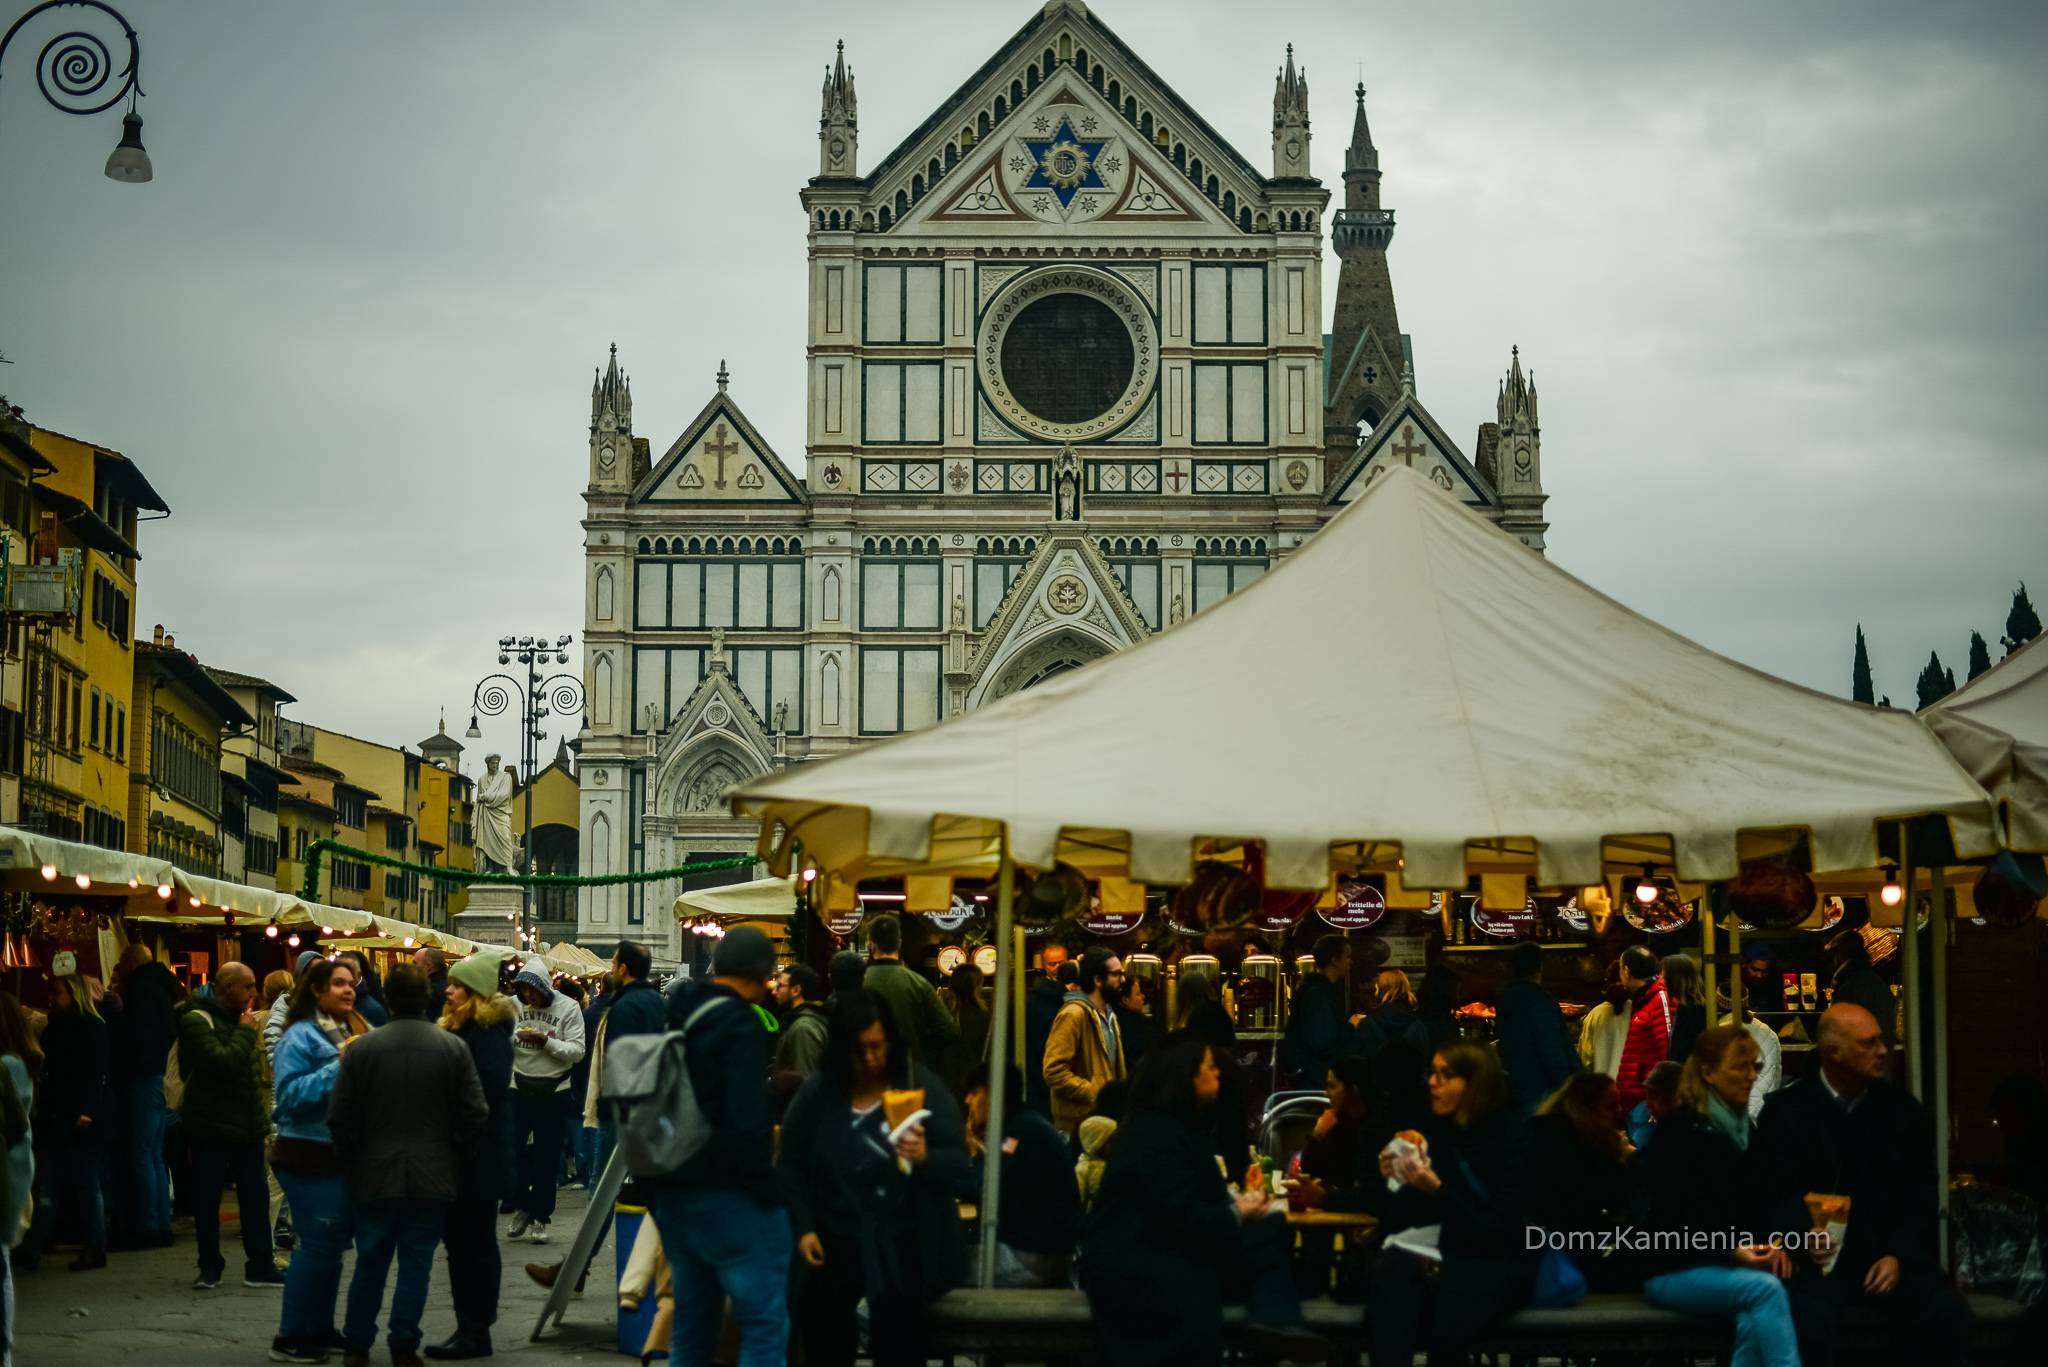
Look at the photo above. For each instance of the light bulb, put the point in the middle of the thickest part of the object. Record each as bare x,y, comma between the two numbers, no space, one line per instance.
810,875
327,930
50,873
195,899
83,880
163,890
1891,894
270,932
408,942
1646,892
134,882
293,942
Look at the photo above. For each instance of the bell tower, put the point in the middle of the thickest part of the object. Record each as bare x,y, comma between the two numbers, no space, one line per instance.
1367,352
611,428
1290,122
839,123
1518,460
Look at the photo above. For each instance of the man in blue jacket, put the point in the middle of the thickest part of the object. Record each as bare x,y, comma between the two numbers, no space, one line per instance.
720,1215
1528,1029
1319,1024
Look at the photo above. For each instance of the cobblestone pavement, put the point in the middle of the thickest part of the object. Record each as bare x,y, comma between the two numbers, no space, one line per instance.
142,1310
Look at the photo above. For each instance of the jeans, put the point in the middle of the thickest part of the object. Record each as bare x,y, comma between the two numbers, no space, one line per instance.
69,1162
473,1262
326,1223
412,1230
1446,1312
216,1163
720,1244
148,1185
540,1120
830,1295
1763,1312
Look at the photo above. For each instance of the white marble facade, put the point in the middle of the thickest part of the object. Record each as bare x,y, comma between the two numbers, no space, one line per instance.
1067,385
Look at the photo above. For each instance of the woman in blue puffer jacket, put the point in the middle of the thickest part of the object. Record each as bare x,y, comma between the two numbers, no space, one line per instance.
319,1024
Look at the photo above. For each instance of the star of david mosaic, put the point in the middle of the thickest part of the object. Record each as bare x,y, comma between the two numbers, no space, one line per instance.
1065,163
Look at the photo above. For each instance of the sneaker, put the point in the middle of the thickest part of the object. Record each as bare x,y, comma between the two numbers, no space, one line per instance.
544,1274
540,1232
520,1222
283,1349
269,1277
573,1186
206,1281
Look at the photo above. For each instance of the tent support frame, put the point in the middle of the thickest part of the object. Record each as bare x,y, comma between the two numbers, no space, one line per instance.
998,1051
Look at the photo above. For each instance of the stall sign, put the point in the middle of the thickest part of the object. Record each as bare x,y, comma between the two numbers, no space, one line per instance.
1572,917
985,960
950,958
1254,994
1359,905
1110,924
953,917
1506,925
843,923
1282,911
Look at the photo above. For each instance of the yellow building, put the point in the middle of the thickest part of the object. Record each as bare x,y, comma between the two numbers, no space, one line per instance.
252,781
446,836
176,801
322,804
69,513
391,826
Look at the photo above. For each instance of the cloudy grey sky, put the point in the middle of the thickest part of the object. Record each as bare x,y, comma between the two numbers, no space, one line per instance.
1779,271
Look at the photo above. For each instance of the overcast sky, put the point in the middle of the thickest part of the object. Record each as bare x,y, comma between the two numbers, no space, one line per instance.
1778,269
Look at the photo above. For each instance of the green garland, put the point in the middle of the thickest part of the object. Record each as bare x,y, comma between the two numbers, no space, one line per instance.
310,890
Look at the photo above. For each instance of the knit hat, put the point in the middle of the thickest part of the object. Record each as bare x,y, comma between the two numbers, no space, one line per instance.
306,956
533,977
1756,949
478,973
1096,1132
744,952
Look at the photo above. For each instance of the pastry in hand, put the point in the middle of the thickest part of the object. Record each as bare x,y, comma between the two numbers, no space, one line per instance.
898,1105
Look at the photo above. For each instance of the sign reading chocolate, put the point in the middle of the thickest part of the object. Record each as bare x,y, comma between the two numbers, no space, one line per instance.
843,922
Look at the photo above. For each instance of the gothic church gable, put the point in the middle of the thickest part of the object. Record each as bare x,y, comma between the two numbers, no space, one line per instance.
715,741
1066,609
1409,436
720,458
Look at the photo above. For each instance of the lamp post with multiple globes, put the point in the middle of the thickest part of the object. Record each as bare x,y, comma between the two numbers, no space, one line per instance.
538,698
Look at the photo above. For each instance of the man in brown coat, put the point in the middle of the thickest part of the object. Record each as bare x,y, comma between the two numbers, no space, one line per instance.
1085,1050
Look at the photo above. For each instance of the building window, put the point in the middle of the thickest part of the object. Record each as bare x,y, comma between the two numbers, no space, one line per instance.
899,595
899,689
185,764
772,678
900,402
121,732
1140,579
904,304
259,855
94,726
992,580
1230,306
394,833
1216,580
1230,410
693,595
664,677
351,809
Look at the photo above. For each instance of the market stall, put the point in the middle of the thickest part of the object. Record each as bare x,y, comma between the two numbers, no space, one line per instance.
768,904
1469,720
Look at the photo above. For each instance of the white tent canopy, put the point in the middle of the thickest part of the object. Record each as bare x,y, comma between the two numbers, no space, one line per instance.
763,899
1997,725
1439,684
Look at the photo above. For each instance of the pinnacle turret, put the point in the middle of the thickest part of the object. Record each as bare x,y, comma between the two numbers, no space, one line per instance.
1290,121
838,121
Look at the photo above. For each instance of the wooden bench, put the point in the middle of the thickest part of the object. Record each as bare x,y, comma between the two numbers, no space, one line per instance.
1028,1326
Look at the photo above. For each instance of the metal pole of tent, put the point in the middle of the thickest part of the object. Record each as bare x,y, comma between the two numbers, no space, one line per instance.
998,1083
1017,996
1736,982
1707,975
1937,1032
1909,1039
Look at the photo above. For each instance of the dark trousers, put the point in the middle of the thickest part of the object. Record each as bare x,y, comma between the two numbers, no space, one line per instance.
146,1195
537,1146
895,1312
471,1236
1926,1321
1447,1311
69,1164
410,1230
215,1164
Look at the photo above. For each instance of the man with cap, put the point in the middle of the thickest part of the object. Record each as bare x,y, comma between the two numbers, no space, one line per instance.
547,1039
1761,988
720,1215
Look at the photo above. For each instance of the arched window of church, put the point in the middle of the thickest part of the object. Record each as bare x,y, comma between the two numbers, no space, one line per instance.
1145,123
829,610
1002,109
1244,217
601,691
932,172
828,691
1016,93
1195,170
916,188
1211,189
1180,155
1096,79
600,844
1130,108
981,119
603,594
952,156
885,214
645,548
867,221
1116,94
1031,77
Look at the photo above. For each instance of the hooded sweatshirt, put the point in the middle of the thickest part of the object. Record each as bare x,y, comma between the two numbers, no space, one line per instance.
560,1020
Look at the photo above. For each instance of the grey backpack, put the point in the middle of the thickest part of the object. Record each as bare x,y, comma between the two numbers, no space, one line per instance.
647,1082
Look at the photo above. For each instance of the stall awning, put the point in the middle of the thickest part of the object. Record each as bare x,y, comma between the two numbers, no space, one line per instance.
1997,725
1410,675
764,899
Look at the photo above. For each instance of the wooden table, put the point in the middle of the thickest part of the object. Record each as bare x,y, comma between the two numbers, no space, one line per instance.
1354,1222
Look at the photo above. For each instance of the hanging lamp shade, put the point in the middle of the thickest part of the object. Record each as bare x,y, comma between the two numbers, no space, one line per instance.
128,162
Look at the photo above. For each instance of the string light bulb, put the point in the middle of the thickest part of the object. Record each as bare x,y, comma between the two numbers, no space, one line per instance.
195,899
49,873
164,891
84,881
134,883
293,942
1892,893
270,932
1646,890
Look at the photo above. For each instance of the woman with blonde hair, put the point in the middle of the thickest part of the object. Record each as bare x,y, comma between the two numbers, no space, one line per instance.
1688,1002
75,1119
1701,1172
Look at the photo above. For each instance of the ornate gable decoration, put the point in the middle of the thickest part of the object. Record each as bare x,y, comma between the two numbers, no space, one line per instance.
720,458
1409,436
1065,162
716,740
1065,608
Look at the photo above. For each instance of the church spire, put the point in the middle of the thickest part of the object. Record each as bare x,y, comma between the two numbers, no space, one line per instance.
838,121
611,423
1518,462
1366,354
1290,122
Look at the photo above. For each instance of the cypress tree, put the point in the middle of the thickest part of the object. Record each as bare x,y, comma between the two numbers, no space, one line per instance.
2022,624
1935,682
1980,654
1860,687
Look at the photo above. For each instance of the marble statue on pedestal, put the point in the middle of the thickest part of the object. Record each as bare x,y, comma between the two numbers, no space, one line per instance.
495,850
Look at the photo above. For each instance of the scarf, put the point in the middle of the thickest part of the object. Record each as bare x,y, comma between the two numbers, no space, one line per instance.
1733,1123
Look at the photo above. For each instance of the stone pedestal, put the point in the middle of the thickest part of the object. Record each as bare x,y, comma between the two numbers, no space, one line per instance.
493,915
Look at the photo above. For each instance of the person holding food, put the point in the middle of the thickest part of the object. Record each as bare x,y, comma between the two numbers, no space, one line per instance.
1464,1167
873,1150
1170,1242
1704,1176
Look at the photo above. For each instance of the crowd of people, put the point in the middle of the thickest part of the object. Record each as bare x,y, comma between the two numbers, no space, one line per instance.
848,1118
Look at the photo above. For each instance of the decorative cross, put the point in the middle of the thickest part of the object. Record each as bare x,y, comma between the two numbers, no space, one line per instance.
1413,448
1174,476
721,448
1372,375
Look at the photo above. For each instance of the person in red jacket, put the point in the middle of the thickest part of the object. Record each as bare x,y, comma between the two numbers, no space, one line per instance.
1649,1030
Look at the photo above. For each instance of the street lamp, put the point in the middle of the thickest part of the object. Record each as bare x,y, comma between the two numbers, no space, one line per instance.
538,698
75,67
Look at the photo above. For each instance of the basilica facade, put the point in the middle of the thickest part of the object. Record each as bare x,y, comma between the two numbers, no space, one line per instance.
1067,386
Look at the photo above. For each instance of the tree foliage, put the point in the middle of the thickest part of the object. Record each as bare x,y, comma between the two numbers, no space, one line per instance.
1980,654
1860,686
2022,624
1935,682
